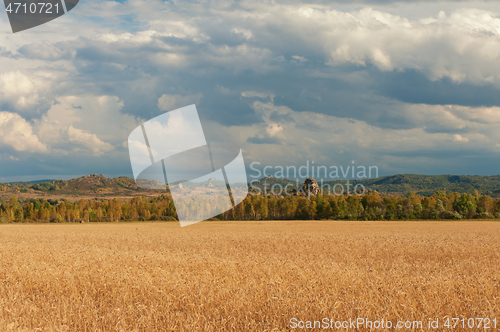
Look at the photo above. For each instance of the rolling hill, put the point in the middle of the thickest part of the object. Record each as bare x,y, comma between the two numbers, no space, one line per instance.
88,186
98,186
425,185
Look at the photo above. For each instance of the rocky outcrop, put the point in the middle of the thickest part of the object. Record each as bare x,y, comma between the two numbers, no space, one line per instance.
310,187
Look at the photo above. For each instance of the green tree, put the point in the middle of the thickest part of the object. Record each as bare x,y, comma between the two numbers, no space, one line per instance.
465,205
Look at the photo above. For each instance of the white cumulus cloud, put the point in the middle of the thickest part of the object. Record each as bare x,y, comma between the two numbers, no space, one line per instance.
17,133
88,141
17,90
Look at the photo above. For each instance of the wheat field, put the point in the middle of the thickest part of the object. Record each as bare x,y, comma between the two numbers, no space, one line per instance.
245,276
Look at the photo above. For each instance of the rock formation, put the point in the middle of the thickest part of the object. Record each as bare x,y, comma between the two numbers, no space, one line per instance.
310,187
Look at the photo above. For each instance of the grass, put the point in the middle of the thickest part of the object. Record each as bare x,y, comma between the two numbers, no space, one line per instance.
235,276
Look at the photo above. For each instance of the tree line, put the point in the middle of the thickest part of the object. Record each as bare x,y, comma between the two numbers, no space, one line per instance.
371,206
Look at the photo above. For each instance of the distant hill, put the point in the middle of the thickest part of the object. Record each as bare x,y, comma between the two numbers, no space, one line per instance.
429,184
41,181
98,186
425,185
88,186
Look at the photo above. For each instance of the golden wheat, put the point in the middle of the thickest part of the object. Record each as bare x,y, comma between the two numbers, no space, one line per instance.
235,276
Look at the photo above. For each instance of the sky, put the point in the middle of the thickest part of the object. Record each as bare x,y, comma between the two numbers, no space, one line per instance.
409,86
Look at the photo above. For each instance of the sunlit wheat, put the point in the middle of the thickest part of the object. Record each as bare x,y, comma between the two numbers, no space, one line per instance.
236,276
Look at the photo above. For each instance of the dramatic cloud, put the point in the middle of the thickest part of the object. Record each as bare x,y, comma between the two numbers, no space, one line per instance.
17,133
408,86
86,122
88,141
17,91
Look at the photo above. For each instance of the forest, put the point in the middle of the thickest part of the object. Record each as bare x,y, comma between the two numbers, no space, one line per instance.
371,206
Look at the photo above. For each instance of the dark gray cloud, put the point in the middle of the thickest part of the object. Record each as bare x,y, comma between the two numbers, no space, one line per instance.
376,2
414,87
62,165
263,140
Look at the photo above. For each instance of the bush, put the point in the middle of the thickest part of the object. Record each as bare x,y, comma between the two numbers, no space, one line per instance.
485,215
45,186
451,215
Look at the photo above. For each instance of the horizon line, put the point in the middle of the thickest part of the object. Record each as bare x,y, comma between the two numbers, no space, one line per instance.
51,178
